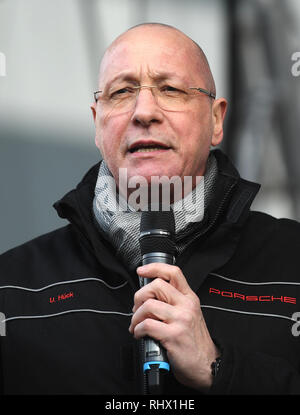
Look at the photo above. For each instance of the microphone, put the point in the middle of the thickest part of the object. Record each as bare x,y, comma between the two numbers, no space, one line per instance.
157,230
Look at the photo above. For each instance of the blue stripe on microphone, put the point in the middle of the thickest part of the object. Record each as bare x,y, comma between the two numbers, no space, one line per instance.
161,365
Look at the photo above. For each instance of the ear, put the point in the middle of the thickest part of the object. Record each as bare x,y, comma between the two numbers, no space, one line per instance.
93,107
218,115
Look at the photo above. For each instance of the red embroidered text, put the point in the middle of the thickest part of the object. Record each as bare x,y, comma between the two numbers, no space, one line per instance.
259,298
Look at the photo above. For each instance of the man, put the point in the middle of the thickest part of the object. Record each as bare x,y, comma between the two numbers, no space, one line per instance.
74,310
180,141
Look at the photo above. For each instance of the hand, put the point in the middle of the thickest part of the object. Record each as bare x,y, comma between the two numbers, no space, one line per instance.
169,311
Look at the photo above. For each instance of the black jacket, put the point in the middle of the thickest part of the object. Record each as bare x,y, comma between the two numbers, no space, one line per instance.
67,300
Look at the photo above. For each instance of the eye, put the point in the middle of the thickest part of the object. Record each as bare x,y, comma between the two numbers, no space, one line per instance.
122,93
171,90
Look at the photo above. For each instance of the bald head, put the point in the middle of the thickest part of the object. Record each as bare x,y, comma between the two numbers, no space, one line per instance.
145,80
184,41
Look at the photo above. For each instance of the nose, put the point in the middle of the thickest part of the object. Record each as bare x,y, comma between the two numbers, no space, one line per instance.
146,110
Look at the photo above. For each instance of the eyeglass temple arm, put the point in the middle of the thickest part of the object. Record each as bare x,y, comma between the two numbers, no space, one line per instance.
95,95
210,94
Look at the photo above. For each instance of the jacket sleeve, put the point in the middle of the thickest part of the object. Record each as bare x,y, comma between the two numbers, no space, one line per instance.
255,373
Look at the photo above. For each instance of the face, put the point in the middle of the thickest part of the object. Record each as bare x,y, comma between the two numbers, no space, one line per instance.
179,140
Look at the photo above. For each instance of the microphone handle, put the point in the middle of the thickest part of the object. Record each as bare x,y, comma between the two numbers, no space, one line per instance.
156,364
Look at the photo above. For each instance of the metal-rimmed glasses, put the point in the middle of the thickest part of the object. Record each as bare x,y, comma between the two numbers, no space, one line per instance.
167,97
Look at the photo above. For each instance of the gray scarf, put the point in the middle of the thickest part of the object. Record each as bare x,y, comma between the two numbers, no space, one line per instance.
121,222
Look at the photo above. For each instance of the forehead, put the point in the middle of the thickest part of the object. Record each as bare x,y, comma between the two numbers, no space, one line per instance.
156,52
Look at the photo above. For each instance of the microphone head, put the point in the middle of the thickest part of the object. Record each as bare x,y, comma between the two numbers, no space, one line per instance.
157,231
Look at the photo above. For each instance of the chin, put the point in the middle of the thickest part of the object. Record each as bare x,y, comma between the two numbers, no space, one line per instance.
153,175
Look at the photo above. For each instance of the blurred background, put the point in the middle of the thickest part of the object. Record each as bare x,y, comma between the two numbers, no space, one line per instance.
49,57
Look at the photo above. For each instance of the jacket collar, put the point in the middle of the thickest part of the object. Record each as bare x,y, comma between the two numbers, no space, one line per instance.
221,231
228,210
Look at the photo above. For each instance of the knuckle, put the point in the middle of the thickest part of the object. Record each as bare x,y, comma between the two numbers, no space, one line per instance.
186,317
177,270
136,297
158,286
149,304
193,303
148,324
158,282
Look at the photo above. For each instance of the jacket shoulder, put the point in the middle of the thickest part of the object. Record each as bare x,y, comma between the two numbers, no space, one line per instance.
40,240
276,226
271,239
267,250
38,258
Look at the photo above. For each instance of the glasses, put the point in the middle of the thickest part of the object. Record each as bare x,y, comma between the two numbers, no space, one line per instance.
167,97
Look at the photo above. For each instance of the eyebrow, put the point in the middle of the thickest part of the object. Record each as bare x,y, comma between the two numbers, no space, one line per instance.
133,77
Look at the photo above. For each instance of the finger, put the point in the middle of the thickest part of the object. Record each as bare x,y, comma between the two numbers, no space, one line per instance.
169,273
153,309
158,289
152,328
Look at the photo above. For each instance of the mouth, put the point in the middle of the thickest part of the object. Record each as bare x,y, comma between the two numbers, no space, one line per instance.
147,147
